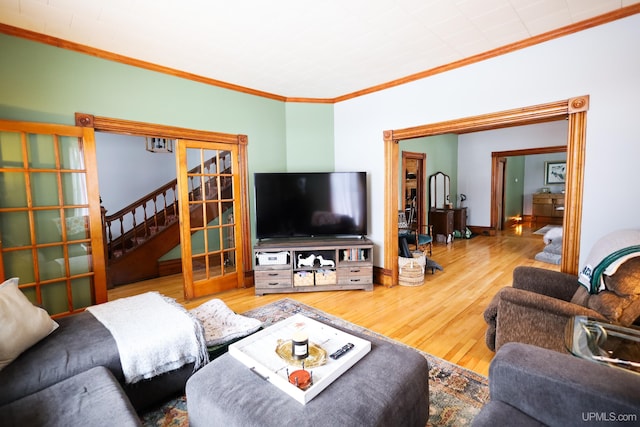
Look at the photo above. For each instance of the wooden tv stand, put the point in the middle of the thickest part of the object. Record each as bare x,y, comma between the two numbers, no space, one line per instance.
281,268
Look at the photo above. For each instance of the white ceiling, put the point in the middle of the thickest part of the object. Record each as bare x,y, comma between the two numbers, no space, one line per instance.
299,48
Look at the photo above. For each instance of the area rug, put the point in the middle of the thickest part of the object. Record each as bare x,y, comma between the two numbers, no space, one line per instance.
456,394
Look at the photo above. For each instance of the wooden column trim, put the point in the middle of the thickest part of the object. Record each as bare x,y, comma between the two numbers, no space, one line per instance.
574,189
98,254
508,118
495,162
129,127
391,150
245,224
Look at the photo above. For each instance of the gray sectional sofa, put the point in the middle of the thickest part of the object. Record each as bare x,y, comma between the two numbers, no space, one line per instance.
533,386
74,377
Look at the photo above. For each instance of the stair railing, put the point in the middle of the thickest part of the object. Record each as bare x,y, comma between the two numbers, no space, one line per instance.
134,224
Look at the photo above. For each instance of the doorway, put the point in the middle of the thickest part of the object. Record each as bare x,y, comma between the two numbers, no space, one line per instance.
413,189
499,161
573,109
138,194
207,140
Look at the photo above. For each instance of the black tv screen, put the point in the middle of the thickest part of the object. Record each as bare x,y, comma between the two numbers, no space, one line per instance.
310,204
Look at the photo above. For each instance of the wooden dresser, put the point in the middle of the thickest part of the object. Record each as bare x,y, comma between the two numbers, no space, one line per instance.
446,221
550,206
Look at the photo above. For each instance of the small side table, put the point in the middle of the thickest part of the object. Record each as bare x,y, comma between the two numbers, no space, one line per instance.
603,343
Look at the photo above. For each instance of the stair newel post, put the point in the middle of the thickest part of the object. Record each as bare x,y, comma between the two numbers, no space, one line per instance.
109,239
207,185
155,213
145,224
134,238
174,205
164,208
192,193
123,246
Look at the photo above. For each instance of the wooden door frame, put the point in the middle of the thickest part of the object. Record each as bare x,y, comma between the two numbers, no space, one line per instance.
421,185
128,127
495,159
573,109
498,176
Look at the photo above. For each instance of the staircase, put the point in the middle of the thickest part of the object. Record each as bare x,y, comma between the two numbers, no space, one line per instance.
137,235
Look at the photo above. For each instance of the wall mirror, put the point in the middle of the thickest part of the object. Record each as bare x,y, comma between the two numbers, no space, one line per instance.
439,187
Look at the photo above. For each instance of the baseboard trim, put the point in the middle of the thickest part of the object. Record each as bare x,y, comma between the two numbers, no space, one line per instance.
483,231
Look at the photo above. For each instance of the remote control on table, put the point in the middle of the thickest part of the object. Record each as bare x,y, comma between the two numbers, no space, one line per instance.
341,351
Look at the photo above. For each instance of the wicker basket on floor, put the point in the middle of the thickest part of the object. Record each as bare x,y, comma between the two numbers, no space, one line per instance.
411,274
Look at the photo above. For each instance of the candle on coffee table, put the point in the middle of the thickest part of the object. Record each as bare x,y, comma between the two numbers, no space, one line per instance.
300,345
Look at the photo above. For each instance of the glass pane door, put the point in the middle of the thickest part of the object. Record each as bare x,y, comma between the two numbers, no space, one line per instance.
50,234
209,201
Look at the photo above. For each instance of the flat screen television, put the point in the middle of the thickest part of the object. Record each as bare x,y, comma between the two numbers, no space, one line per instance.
310,204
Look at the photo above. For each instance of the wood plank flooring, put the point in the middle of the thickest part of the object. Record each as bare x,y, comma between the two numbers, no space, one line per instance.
443,317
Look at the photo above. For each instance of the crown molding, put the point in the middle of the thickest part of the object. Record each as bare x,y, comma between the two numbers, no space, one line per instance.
522,44
99,53
541,38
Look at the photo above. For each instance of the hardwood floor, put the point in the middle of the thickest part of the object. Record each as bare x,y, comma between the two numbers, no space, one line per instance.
443,317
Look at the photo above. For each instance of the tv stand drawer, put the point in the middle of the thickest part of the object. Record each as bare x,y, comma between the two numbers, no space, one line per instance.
355,275
273,279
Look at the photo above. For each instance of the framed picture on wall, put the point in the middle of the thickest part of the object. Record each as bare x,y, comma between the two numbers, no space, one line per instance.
555,172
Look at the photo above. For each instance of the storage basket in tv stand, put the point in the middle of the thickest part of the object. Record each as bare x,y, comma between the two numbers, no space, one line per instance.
338,264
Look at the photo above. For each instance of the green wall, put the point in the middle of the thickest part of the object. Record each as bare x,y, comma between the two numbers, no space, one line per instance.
514,187
47,84
442,156
43,83
309,130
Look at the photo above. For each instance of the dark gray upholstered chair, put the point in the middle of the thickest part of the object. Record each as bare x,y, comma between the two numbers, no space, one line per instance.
532,386
538,305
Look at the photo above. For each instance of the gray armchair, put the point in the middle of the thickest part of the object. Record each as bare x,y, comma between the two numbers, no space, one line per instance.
537,307
534,310
532,386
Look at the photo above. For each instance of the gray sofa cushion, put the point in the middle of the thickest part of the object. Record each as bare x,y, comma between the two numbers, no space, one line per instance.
556,389
496,413
79,344
91,398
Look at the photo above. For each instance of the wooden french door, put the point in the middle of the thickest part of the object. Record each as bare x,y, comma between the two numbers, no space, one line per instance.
209,192
50,220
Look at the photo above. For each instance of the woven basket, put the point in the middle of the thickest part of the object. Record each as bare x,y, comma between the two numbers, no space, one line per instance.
411,274
326,277
417,258
303,278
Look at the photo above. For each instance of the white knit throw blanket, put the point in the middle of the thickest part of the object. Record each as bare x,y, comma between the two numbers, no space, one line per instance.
154,334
